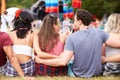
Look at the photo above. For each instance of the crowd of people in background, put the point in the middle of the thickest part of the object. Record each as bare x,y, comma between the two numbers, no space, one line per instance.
44,45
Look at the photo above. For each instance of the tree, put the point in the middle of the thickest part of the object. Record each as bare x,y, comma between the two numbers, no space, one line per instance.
100,7
20,3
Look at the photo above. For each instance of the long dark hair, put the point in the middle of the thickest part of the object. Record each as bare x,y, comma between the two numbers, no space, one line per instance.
48,37
22,24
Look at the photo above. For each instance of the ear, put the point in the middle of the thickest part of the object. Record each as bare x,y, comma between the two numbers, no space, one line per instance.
80,22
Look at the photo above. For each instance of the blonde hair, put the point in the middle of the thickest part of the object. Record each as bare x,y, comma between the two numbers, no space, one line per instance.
113,24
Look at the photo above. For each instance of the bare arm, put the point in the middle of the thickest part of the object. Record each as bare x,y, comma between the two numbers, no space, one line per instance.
103,50
13,59
103,53
60,61
113,41
112,58
38,50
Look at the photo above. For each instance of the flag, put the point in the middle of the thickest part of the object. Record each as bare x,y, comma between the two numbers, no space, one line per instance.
67,11
76,3
51,6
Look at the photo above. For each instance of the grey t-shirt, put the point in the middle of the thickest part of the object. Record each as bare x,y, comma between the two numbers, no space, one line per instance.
87,47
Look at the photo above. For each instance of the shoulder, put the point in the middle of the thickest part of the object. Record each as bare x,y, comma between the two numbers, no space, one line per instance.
103,33
98,31
12,33
5,38
62,37
35,36
4,35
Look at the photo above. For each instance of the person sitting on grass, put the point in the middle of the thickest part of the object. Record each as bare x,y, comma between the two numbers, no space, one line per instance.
86,46
6,53
112,26
52,42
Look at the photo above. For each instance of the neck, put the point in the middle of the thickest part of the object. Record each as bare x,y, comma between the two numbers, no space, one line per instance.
83,27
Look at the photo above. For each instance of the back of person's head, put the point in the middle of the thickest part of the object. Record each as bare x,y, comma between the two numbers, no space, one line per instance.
42,5
84,16
47,33
22,23
40,10
48,22
113,23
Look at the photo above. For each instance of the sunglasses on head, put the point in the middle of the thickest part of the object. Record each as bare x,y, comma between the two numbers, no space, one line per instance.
51,15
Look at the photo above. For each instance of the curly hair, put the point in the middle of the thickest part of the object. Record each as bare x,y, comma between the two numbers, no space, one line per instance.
23,24
48,37
113,23
84,16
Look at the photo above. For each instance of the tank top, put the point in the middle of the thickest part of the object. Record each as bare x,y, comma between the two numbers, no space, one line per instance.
22,49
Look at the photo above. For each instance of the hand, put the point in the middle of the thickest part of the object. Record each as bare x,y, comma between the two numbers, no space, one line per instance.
37,59
68,32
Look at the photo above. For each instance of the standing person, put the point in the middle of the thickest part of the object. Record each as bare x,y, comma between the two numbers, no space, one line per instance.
112,26
7,52
51,42
86,46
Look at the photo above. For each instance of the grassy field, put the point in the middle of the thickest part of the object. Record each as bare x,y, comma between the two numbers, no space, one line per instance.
64,78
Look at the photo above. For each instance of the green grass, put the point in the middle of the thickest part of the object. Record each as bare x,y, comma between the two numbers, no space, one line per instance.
64,78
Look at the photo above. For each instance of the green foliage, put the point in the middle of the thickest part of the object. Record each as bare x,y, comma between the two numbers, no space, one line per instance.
20,3
96,7
100,7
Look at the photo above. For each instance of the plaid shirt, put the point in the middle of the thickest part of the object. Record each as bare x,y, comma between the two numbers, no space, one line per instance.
43,70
